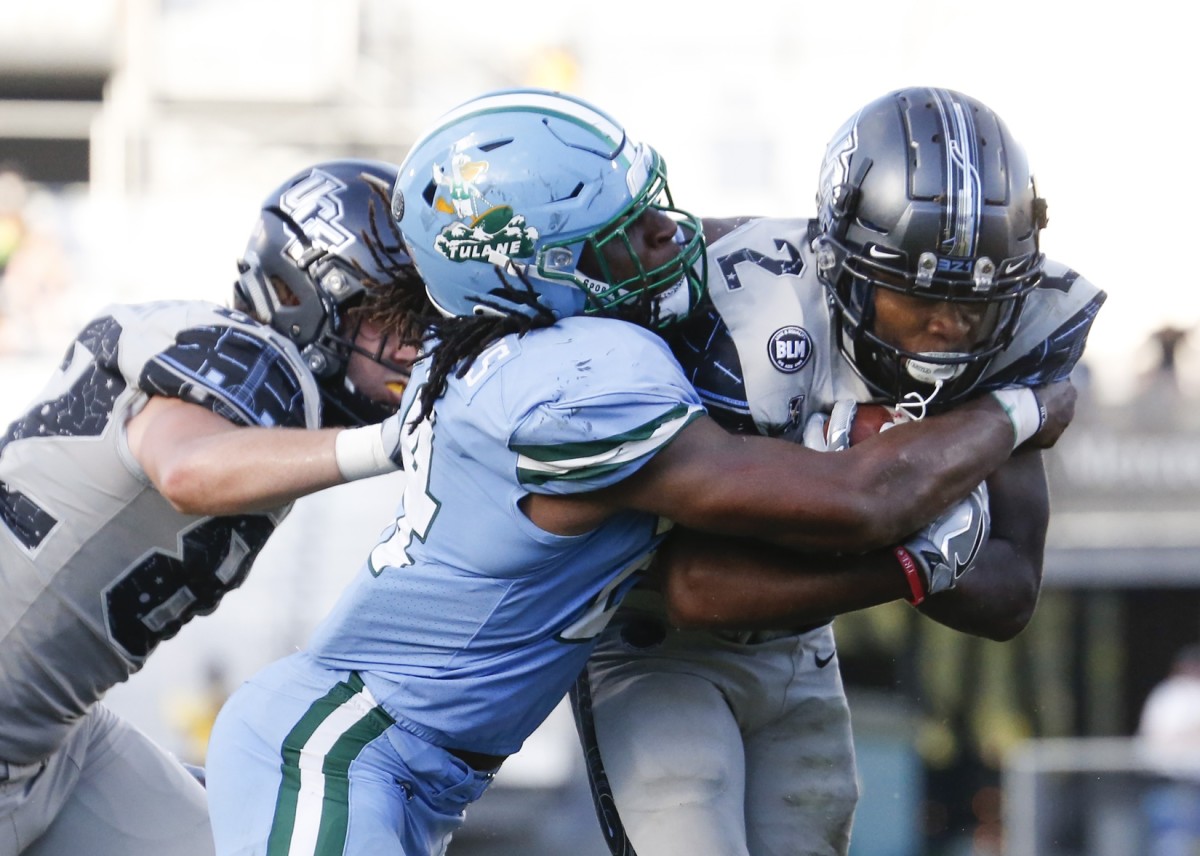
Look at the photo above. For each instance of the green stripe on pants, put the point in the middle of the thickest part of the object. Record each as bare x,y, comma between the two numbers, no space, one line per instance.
311,812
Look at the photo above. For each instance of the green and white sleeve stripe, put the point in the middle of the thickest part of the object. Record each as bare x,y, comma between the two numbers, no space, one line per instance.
311,812
581,461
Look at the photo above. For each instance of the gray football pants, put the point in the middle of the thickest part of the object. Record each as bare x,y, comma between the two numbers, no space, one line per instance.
108,791
714,747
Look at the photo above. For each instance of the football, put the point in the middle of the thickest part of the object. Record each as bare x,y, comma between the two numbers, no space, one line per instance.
869,420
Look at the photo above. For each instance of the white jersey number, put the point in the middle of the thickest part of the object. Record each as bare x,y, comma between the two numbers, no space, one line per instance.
419,505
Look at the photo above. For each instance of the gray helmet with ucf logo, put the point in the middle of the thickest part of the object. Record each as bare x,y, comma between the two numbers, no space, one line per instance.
324,255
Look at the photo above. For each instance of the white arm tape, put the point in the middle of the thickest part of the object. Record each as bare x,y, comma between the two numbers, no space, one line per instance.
1023,409
360,453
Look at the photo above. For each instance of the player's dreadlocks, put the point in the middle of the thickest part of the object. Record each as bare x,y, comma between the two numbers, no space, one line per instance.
461,339
398,306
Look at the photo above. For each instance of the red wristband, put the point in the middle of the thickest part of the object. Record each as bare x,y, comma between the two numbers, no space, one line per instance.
915,583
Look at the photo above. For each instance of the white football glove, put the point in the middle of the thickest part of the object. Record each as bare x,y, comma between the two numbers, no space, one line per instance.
936,556
831,432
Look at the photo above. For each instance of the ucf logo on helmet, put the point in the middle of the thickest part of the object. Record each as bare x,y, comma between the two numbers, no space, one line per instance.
315,204
789,348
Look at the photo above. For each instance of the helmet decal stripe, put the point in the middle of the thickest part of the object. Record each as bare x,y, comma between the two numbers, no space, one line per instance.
835,168
964,194
547,103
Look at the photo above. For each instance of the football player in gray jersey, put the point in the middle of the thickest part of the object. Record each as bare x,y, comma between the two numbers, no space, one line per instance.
139,486
920,283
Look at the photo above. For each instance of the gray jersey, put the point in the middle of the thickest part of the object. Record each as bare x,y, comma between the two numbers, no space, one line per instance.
767,357
95,565
780,324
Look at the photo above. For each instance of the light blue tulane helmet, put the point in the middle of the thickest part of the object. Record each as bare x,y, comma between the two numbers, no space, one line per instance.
528,182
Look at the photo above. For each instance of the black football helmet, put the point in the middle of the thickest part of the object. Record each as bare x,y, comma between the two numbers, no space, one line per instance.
925,192
324,256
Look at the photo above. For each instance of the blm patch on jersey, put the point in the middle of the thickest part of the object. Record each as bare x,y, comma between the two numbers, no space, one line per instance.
789,348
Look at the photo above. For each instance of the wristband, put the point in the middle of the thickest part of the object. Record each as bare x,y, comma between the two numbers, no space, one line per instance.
1023,410
912,573
359,453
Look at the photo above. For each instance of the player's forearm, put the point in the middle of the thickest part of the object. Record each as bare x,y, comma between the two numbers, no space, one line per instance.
869,496
996,600
204,464
908,475
248,469
920,469
717,582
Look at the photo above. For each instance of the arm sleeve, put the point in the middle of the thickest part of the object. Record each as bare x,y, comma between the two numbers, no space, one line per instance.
608,422
224,362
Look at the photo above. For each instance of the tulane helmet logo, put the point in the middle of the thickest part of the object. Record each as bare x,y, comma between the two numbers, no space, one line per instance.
494,237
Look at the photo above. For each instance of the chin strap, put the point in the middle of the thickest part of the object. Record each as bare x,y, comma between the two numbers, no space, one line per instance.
914,406
936,373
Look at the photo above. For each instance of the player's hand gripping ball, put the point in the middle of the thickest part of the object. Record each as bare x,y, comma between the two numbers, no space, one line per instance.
870,419
849,423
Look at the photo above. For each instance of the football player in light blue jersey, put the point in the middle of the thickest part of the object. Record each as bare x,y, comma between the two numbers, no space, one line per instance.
550,440
140,485
920,283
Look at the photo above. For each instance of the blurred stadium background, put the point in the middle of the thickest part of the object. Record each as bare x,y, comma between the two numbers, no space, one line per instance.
138,136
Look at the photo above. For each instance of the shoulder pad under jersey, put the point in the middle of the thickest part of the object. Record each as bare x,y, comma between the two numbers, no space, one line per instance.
1052,333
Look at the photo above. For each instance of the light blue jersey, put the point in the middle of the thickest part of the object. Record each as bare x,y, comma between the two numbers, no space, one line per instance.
468,623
